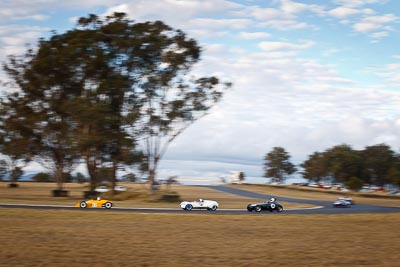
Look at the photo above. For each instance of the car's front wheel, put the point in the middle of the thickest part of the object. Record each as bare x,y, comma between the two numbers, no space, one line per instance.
189,207
258,209
83,204
108,205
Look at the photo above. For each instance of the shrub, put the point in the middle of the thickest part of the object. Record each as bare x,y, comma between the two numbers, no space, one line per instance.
42,177
143,196
354,183
79,178
169,197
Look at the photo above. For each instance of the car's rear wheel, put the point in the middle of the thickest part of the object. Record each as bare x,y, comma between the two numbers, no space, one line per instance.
213,208
258,209
83,204
189,207
108,205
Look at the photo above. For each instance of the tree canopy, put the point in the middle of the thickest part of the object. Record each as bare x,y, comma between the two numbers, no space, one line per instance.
277,165
97,91
377,164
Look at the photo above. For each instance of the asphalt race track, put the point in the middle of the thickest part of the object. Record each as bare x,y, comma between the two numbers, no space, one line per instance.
321,207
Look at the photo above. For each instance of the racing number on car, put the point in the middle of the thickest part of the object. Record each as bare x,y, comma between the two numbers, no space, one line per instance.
94,205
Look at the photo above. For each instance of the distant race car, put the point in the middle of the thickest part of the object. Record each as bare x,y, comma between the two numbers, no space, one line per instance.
103,188
341,203
349,199
200,204
270,205
95,203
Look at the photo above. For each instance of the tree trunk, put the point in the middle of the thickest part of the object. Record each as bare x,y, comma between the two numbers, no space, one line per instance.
114,178
59,177
152,174
151,179
91,167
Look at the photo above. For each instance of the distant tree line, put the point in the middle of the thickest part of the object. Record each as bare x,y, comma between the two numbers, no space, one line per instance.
377,164
110,93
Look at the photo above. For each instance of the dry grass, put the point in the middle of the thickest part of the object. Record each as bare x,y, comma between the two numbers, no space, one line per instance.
106,238
317,194
137,196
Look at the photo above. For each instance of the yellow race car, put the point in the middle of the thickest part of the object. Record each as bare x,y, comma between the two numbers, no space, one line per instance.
95,203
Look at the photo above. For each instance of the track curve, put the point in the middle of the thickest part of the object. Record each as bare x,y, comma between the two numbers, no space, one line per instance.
321,207
326,207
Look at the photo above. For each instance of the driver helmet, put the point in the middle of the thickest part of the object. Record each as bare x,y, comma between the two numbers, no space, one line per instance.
98,198
201,200
272,199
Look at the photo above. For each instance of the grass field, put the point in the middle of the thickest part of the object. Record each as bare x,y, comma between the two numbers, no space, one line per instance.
106,238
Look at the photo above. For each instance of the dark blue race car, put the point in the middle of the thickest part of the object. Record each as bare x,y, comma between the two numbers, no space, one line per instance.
270,205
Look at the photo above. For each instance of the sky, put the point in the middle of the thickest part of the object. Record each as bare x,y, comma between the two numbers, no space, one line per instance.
307,75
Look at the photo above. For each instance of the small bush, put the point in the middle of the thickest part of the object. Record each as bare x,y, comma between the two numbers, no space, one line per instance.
170,197
143,195
60,193
79,178
121,196
42,177
354,183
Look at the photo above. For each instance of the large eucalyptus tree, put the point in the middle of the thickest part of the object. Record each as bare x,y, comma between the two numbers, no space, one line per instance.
109,83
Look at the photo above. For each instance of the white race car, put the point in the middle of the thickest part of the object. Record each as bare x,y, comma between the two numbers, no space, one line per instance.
199,204
348,199
341,203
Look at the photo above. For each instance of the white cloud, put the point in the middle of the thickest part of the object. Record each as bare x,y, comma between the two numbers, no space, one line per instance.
278,98
266,13
285,24
284,17
275,46
390,73
15,38
363,20
173,11
374,23
40,10
358,3
292,7
254,35
299,104
192,16
379,35
344,12
235,24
